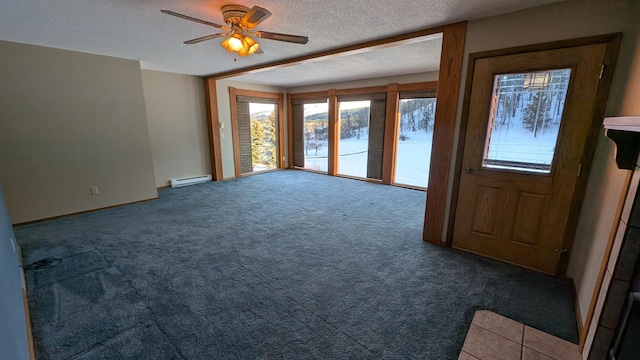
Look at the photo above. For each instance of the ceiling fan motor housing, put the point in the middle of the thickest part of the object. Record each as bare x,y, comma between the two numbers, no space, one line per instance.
234,13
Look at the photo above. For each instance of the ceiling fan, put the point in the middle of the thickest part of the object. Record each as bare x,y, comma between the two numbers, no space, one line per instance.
241,20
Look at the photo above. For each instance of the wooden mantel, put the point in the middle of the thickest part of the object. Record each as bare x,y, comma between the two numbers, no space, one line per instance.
625,132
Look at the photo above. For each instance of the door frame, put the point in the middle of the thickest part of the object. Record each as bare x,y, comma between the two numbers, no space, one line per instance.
613,44
279,97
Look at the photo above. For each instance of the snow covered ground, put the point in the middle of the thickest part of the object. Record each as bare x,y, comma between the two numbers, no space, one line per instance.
519,144
412,161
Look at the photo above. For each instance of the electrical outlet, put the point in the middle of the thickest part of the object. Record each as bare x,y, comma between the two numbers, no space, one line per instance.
94,190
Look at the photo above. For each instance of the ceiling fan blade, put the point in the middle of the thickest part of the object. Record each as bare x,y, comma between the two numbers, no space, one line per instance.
254,17
208,37
169,12
282,37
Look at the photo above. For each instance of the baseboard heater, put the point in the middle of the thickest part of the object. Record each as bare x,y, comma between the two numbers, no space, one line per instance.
190,181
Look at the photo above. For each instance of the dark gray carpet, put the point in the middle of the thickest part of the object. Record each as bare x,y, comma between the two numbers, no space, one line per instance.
283,265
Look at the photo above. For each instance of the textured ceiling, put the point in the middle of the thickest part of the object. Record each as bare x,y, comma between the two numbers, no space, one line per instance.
137,30
412,58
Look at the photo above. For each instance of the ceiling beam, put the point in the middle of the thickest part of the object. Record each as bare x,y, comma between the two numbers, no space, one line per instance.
403,39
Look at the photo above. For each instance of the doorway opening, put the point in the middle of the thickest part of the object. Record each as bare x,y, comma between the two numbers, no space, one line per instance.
263,136
257,122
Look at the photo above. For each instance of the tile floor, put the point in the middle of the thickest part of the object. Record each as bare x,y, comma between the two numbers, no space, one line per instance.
495,337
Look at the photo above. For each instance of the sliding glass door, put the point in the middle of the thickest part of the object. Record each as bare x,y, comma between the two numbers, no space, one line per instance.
316,136
353,146
263,136
415,135
257,123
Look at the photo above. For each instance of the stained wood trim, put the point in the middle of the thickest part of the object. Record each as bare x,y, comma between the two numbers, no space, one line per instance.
610,57
390,134
361,90
443,132
334,134
365,90
233,94
427,85
310,95
213,126
234,131
386,42
552,45
289,164
280,133
258,94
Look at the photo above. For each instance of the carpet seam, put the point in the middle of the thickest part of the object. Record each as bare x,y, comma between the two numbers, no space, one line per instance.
39,288
154,315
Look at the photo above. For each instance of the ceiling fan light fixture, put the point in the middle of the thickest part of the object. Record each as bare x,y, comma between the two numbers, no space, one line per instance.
241,44
250,45
241,21
233,43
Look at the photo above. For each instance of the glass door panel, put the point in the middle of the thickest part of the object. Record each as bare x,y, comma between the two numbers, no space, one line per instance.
415,135
525,119
263,136
316,136
353,147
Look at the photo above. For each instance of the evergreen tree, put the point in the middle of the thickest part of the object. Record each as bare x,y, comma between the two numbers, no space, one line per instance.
269,146
257,141
536,113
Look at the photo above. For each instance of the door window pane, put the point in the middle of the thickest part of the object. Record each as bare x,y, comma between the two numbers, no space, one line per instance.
316,136
524,121
354,138
263,136
415,135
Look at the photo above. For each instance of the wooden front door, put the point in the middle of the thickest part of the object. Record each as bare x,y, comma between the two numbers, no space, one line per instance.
528,123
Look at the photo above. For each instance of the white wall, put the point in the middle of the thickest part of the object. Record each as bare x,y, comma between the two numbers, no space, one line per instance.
400,79
566,20
177,119
70,121
224,116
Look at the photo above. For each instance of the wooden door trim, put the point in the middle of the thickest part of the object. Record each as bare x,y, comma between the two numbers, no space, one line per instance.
610,57
453,39
213,127
289,120
613,44
234,131
280,150
233,103
390,134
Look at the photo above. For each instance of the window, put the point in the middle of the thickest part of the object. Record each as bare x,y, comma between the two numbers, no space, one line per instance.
263,136
353,146
415,135
525,120
316,136
257,130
